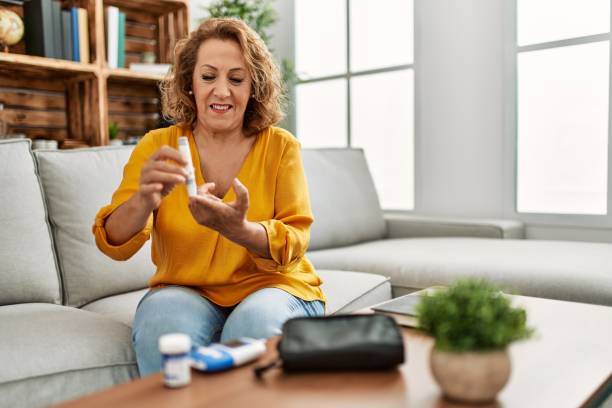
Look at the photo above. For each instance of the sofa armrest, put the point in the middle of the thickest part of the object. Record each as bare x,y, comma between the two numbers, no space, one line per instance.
408,226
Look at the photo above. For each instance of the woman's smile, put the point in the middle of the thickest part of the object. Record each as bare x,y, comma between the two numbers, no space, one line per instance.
220,108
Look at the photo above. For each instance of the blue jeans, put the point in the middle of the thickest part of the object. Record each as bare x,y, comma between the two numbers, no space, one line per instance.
179,309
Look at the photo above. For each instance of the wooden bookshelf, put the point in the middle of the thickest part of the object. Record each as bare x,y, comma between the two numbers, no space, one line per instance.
122,73
73,101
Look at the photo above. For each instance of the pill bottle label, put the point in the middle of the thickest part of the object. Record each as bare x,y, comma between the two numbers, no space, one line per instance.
177,370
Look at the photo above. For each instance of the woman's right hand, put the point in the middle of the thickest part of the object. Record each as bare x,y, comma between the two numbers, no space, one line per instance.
164,170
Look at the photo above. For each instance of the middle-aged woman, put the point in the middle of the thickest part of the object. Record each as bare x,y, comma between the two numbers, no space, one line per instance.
230,261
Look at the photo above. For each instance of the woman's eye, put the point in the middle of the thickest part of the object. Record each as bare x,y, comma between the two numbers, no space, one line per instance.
236,80
208,77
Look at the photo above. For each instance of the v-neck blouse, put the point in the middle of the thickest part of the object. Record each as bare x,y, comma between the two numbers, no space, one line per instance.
197,163
188,254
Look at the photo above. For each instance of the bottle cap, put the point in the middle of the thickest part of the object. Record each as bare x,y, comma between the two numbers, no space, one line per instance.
174,343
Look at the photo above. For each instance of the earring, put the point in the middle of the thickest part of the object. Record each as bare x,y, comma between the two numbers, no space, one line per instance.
190,92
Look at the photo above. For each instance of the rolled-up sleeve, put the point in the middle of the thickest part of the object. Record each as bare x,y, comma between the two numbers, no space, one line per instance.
127,188
289,231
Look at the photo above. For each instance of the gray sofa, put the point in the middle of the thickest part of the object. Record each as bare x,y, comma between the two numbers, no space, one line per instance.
352,233
66,309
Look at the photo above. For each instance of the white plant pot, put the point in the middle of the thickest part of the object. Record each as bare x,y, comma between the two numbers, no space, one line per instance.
474,377
116,142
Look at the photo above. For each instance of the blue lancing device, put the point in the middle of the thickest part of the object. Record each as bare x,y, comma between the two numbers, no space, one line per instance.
223,356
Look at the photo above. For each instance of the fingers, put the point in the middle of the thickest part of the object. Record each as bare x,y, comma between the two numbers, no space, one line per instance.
242,196
207,188
167,167
151,188
160,168
168,153
209,202
155,176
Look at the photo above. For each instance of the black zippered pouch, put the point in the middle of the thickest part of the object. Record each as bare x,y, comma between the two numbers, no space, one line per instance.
343,342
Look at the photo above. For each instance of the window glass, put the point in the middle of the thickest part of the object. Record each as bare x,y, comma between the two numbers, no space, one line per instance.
381,33
382,107
322,113
563,129
551,20
320,38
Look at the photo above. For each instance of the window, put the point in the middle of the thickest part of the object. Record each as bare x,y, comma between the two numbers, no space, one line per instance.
354,59
562,55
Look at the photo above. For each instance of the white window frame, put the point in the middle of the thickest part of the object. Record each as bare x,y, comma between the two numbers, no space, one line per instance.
348,75
510,145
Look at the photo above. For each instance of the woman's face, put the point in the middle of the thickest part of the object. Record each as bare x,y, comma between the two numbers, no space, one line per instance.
221,85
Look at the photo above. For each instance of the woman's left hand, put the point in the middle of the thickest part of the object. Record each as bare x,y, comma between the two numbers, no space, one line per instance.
210,211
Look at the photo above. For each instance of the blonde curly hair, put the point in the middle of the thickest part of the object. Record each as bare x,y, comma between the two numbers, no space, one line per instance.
264,108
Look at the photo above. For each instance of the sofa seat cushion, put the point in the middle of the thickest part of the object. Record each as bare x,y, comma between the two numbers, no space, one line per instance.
575,271
51,353
118,307
346,291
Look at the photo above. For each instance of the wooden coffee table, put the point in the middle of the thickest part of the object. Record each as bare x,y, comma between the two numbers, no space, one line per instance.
567,364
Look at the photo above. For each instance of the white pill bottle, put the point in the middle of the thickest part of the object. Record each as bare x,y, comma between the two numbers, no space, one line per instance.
176,359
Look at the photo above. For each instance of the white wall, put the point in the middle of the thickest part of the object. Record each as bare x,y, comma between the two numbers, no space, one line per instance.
196,12
459,114
460,105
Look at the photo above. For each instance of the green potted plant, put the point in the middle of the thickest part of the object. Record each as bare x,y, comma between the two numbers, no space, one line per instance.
113,131
472,323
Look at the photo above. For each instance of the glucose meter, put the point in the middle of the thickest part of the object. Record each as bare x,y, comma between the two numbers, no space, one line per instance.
223,356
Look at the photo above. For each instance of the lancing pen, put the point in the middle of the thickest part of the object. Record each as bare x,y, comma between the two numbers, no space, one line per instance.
183,145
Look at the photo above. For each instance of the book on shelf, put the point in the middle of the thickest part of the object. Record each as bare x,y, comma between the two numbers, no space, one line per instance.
53,33
121,41
157,69
66,35
402,309
83,35
38,26
112,36
56,23
74,14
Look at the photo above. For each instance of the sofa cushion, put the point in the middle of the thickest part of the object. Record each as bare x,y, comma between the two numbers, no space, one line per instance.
343,198
50,353
27,261
576,271
118,307
77,183
346,292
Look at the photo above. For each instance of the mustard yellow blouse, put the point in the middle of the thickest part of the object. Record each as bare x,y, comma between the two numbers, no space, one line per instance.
192,255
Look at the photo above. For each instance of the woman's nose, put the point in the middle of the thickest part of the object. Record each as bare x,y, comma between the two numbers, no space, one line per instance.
222,90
